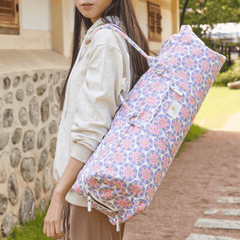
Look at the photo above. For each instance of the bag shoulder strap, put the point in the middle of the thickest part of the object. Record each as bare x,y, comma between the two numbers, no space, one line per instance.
150,60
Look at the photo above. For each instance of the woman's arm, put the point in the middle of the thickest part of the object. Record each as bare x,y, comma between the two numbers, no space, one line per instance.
52,220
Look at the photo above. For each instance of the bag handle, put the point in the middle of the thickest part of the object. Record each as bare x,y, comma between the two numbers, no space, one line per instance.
150,60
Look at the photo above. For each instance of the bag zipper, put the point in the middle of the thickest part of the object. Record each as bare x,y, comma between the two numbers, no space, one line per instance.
97,202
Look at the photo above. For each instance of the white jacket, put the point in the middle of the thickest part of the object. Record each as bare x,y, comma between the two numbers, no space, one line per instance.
100,73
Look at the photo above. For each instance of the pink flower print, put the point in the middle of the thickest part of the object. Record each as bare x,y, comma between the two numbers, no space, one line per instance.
134,96
166,162
215,70
151,101
96,168
153,159
158,87
144,142
211,55
154,129
198,78
140,208
109,171
122,203
118,123
176,97
189,62
205,66
110,138
143,115
134,130
145,174
174,150
128,172
137,157
182,75
193,116
142,83
184,86
150,192
161,146
118,157
186,39
107,194
118,185
158,177
174,62
191,100
136,189
177,126
185,113
127,143
179,50
162,123
197,51
201,94
208,82
102,153
93,182
222,60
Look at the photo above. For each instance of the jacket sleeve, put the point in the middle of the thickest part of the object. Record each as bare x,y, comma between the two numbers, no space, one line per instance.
97,100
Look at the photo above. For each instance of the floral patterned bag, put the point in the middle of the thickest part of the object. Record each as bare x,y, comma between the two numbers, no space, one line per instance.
123,174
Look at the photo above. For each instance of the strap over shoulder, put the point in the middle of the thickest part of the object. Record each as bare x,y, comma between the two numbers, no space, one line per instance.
151,60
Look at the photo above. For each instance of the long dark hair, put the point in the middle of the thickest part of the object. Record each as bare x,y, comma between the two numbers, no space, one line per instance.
125,11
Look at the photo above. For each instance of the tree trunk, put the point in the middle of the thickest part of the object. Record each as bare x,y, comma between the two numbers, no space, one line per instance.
183,12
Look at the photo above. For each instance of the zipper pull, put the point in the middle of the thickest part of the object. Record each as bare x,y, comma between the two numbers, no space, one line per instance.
89,204
117,225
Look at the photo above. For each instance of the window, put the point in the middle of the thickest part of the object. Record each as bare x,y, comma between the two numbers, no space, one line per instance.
9,17
154,22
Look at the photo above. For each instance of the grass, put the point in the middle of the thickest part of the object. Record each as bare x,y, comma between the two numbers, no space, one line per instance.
219,105
193,134
33,230
232,74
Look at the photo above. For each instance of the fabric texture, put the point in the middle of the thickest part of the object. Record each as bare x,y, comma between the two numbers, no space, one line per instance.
101,72
94,225
126,169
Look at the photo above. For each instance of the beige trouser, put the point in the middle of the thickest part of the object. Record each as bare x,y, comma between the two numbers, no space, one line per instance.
94,225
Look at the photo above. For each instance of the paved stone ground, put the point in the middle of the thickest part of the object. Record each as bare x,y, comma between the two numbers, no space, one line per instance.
205,171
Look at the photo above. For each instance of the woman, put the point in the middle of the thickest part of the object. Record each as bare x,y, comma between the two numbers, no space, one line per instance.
102,68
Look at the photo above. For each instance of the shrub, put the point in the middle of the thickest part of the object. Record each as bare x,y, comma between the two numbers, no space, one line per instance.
232,74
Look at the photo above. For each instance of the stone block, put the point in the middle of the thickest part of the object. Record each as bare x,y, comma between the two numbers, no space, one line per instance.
28,169
195,236
12,189
15,157
27,207
217,224
7,223
28,142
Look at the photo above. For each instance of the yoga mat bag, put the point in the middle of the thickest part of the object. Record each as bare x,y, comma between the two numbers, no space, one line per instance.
124,172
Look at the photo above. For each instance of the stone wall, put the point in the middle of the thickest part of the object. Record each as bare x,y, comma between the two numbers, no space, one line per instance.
29,120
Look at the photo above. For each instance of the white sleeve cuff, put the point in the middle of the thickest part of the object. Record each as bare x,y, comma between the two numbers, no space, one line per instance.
80,152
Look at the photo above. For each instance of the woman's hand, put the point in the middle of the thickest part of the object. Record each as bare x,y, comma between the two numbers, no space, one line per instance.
53,218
